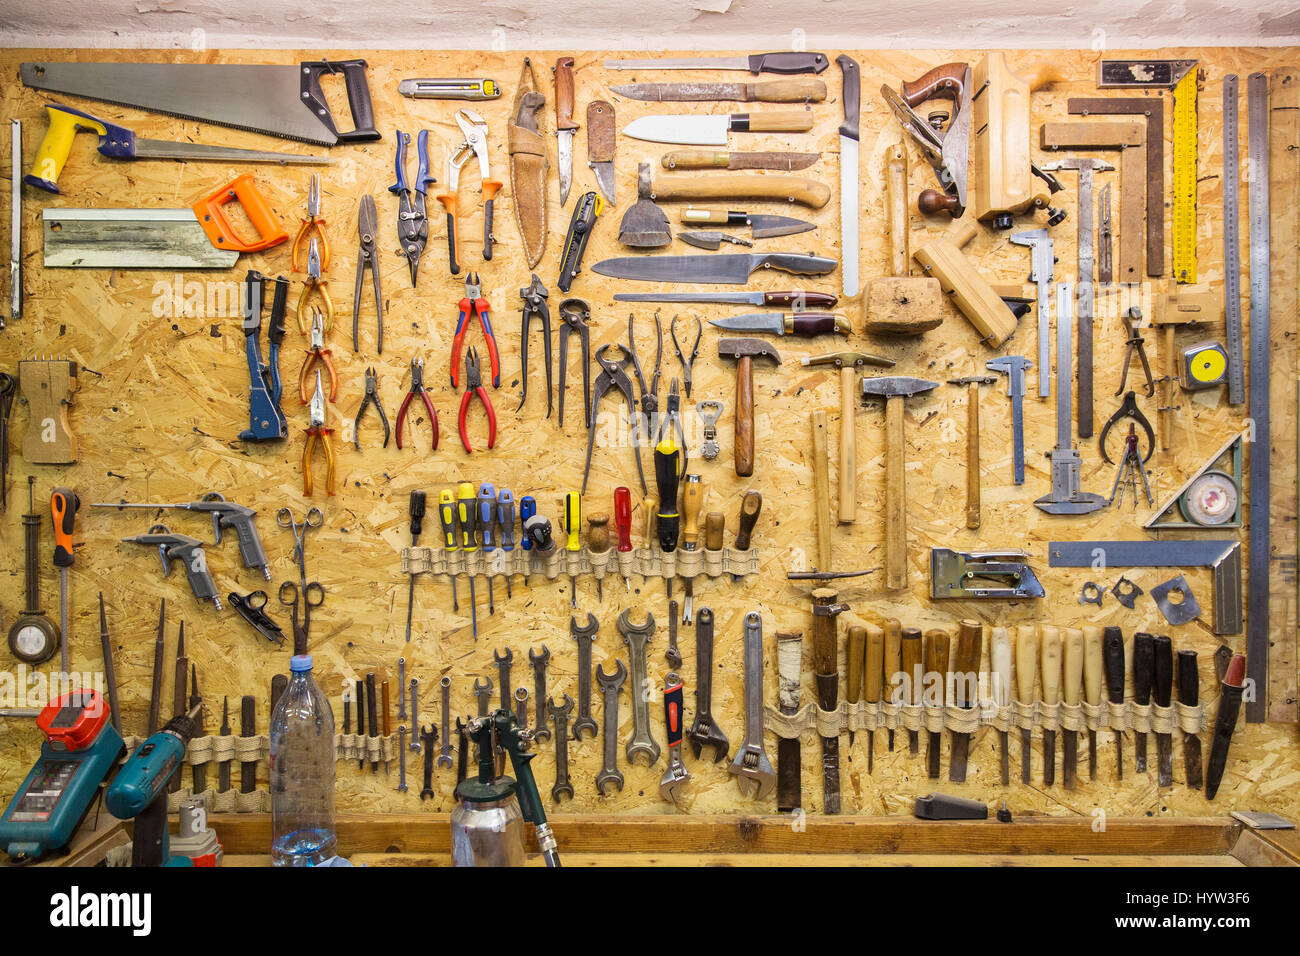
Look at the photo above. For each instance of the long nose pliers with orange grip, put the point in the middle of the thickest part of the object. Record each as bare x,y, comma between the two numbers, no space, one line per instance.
474,305
417,388
317,355
318,434
475,129
316,283
474,386
312,224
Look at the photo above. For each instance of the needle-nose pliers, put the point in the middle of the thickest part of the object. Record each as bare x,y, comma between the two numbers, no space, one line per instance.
474,305
313,224
474,386
314,282
318,434
417,388
317,355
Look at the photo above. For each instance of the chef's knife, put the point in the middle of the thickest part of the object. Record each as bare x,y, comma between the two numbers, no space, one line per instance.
697,130
798,300
735,268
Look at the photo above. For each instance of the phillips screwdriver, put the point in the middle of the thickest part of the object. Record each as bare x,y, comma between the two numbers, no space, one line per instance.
668,458
598,543
416,508
63,508
506,527
485,520
623,525
465,502
527,508
573,537
447,516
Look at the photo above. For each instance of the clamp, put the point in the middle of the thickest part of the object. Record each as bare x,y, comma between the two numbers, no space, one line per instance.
367,259
314,281
417,388
371,398
535,304
473,304
318,434
317,355
412,218
1127,409
612,376
1132,323
695,352
475,129
312,224
574,314
474,386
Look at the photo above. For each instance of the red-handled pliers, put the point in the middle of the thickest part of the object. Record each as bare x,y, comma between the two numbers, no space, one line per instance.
417,388
474,386
474,305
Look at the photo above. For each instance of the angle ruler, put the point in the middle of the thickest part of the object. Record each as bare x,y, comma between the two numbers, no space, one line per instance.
1257,603
1232,245
1184,187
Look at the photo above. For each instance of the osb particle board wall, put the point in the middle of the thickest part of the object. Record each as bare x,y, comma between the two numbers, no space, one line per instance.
163,398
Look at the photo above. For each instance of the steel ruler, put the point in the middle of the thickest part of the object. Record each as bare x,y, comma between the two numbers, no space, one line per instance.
1232,246
1184,191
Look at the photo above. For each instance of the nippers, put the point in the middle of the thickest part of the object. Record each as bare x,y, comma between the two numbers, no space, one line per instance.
417,388
473,304
574,313
475,129
535,304
612,375
367,259
412,218
371,398
473,387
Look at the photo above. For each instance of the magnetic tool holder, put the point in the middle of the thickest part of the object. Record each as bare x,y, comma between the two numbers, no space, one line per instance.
645,562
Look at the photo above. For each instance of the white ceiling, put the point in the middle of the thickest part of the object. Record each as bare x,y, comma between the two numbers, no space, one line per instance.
648,25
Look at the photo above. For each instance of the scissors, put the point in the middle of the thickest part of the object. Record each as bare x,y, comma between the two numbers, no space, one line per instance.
313,595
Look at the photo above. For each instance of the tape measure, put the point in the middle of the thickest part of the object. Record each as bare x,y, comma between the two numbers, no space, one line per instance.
1184,187
1203,365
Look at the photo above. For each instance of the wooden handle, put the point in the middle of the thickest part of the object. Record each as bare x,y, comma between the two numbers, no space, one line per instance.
973,456
795,189
692,501
803,89
697,159
943,82
714,525
937,647
1092,663
848,503
743,437
1072,638
966,662
750,506
1051,654
896,210
913,664
875,662
824,644
821,490
781,121
383,696
598,533
931,202
1026,662
1000,665
857,653
648,507
895,497
564,93
892,667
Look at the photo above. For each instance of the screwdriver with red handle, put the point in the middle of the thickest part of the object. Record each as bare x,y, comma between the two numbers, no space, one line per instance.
623,524
63,508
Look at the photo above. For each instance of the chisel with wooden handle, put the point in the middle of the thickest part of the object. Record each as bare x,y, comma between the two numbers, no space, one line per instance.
875,657
857,652
1051,653
893,666
1189,693
1026,673
1000,664
372,715
965,665
1112,658
1163,684
247,728
1092,675
789,750
826,677
913,666
1072,639
937,647
1144,663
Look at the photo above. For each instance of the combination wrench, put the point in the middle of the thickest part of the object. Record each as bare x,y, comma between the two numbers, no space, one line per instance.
560,717
521,706
415,715
636,637
503,675
401,682
751,764
585,637
484,694
401,758
430,737
539,662
704,731
444,758
610,685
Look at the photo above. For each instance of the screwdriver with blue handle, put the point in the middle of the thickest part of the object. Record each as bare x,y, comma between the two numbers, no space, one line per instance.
485,519
573,536
506,527
465,502
527,509
447,517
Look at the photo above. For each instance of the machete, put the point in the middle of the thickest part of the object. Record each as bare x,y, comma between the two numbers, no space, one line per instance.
717,268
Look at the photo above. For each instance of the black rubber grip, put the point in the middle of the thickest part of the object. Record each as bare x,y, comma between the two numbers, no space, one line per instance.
788,63
1112,655
1144,667
354,78
1189,680
487,230
1164,670
451,244
417,509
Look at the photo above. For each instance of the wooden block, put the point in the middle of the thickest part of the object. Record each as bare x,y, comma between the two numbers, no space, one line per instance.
896,210
903,306
47,386
1000,119
971,293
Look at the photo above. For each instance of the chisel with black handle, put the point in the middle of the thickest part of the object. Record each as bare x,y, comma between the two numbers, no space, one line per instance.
1000,665
1163,691
826,676
1144,671
1189,693
1112,659
247,728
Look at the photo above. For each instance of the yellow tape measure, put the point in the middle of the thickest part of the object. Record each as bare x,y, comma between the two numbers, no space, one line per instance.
1184,209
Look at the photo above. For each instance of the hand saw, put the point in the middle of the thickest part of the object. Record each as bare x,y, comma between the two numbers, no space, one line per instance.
285,101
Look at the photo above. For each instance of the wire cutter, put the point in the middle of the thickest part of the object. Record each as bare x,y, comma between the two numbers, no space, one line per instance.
473,304
417,388
647,422
673,416
317,355
412,220
475,129
367,258
318,433
535,304
695,352
474,386
314,281
612,376
371,398
574,313
312,224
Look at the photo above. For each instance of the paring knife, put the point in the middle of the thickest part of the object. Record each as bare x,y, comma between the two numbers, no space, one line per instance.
756,63
696,130
802,324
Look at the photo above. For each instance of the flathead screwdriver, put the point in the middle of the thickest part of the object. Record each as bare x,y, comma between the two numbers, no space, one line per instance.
447,516
506,527
485,520
623,524
465,501
417,507
527,508
573,537
63,508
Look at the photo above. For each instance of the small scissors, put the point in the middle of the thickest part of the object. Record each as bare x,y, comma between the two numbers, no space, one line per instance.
313,594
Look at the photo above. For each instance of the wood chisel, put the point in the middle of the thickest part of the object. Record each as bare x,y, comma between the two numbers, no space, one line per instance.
913,668
223,768
937,647
1051,662
1026,674
1144,662
1112,656
1189,694
1092,678
1000,666
155,693
1163,684
875,658
892,668
857,660
247,728
372,715
360,686
1072,639
966,665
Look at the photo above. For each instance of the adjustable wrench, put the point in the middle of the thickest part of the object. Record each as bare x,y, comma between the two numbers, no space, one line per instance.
610,685
636,637
675,776
521,706
430,737
401,758
503,673
484,693
751,763
444,758
539,662
560,717
585,637
415,715
705,732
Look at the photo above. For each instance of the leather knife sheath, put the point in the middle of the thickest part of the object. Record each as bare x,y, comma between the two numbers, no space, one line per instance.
528,165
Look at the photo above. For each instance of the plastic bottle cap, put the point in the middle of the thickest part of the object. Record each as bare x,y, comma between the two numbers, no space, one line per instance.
299,663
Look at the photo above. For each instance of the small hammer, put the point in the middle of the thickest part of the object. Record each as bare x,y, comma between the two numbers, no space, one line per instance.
973,443
894,389
744,351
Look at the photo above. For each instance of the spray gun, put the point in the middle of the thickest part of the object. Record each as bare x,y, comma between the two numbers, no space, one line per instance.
225,515
189,551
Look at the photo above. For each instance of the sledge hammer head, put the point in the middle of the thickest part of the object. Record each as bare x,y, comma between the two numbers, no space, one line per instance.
741,349
895,386
744,351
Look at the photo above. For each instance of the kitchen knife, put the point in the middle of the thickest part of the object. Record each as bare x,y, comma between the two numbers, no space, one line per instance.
735,268
760,226
711,130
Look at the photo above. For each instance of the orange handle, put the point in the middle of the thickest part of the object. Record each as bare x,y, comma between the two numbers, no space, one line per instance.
221,234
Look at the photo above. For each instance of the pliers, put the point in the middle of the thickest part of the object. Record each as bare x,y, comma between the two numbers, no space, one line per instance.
673,416
367,258
535,304
317,354
1132,323
417,388
695,352
372,397
473,304
612,376
318,433
314,281
412,220
648,421
313,223
475,129
574,313
474,386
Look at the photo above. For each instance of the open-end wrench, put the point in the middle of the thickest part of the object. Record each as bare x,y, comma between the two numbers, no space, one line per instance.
521,706
705,731
444,758
503,673
636,637
401,682
751,763
430,737
585,637
670,786
539,662
401,758
610,685
560,717
415,715
462,750
484,693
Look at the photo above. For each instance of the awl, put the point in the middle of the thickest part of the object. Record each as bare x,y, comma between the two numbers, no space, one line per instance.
756,63
701,130
717,268
803,324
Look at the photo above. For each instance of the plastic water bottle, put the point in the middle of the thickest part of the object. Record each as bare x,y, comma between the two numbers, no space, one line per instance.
302,772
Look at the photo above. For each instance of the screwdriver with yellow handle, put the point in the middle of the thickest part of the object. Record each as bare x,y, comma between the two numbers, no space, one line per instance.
668,456
573,537
447,517
63,508
466,500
